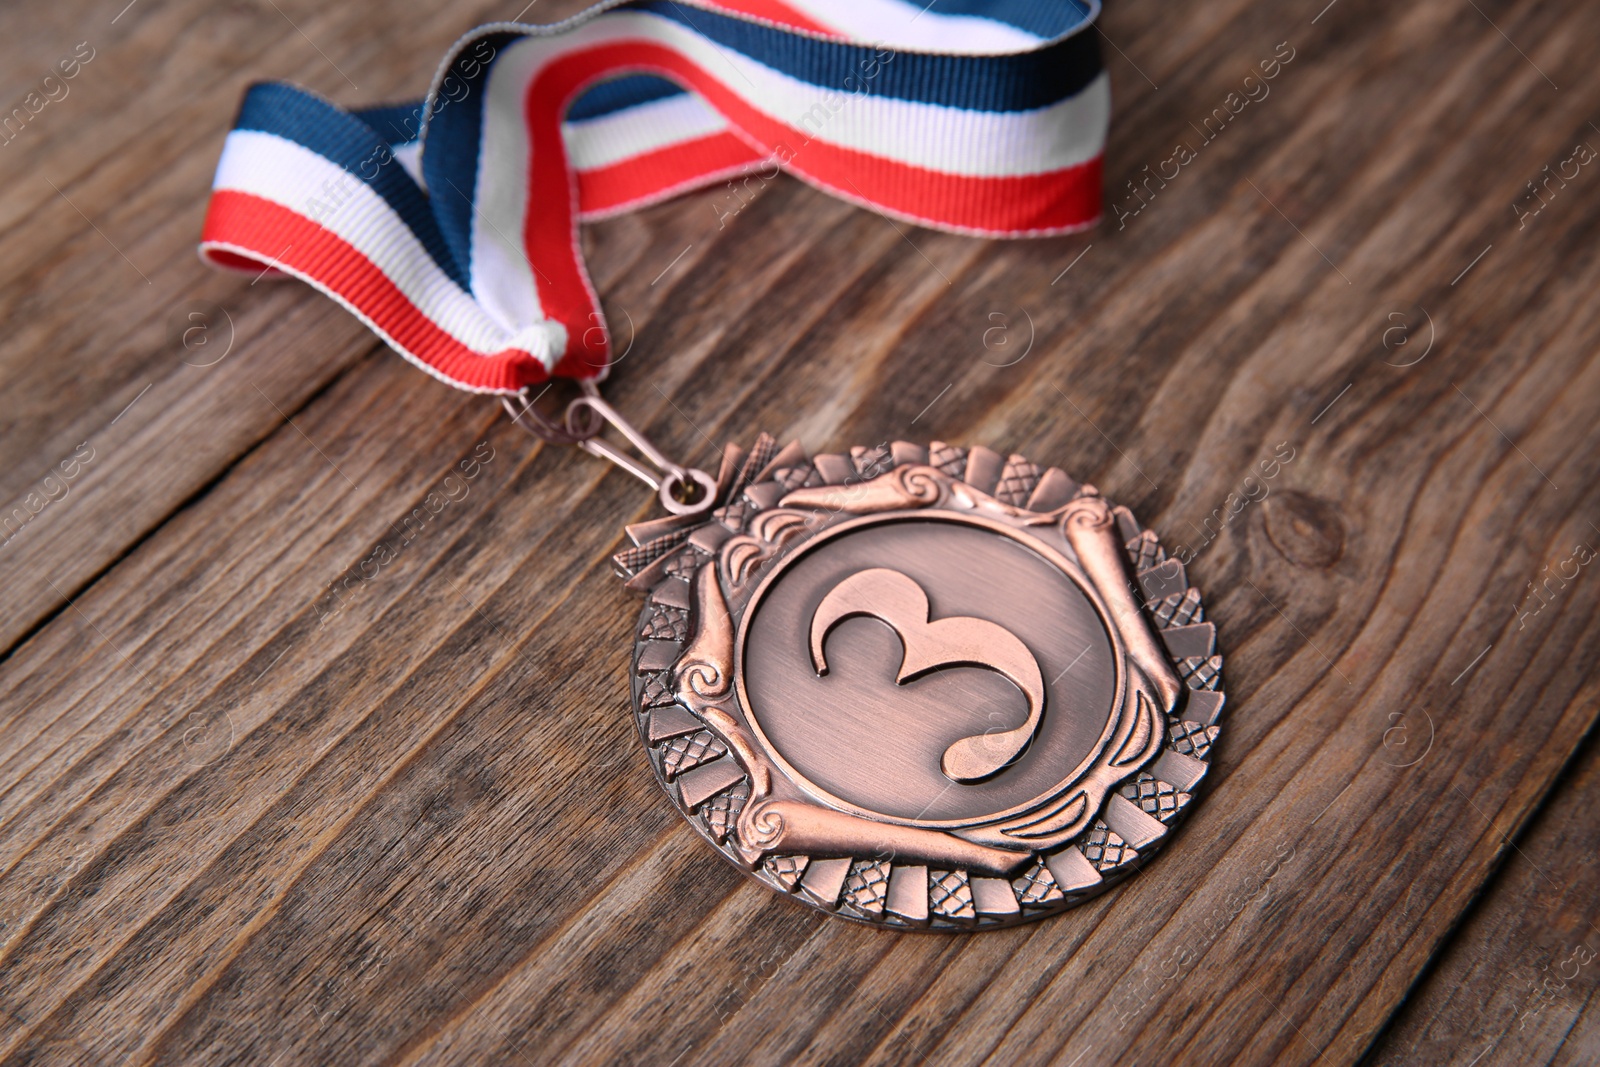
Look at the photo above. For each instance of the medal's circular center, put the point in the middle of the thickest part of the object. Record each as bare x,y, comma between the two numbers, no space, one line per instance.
900,665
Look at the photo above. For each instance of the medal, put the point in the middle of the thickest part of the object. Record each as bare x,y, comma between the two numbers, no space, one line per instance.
918,686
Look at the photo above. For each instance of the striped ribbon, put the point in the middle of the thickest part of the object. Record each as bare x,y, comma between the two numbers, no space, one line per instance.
449,225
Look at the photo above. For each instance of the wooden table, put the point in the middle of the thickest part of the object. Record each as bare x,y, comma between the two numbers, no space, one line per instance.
236,827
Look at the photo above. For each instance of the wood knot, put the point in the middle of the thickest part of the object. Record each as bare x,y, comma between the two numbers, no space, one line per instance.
1306,529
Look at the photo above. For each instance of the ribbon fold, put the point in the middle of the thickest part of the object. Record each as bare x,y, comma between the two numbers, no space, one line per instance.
449,225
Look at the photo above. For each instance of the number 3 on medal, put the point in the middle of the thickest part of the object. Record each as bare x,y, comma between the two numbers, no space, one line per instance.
930,644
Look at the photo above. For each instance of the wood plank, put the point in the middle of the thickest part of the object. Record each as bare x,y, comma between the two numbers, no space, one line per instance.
1517,983
103,204
237,825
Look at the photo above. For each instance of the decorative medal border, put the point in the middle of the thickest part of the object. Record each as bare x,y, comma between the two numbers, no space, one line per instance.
690,753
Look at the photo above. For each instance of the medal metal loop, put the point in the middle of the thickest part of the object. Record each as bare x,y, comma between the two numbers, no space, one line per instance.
681,490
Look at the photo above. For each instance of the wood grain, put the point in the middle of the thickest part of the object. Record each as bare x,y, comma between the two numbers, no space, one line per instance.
1515,984
239,827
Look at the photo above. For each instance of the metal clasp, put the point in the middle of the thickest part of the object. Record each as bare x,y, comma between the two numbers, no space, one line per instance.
681,490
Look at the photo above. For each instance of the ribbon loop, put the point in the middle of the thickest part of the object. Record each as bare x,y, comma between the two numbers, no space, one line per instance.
449,225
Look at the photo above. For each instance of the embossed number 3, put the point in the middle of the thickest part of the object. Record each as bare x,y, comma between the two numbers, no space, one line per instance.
958,641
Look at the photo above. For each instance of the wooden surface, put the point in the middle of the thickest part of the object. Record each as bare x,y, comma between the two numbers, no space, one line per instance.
238,829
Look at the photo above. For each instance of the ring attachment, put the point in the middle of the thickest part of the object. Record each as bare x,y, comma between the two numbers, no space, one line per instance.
681,490
542,426
703,491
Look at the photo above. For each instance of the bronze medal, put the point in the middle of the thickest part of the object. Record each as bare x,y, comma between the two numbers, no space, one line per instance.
920,687
915,686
